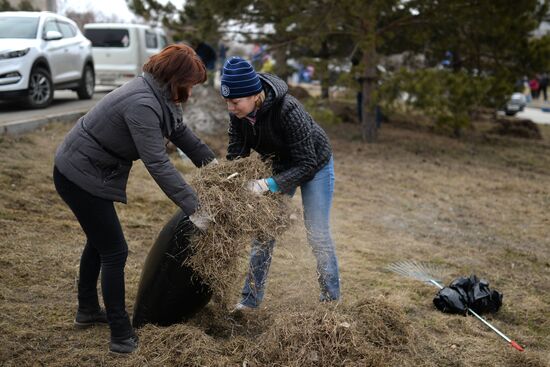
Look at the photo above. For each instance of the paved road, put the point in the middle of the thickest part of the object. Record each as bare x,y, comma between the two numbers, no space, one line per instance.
66,106
65,103
535,114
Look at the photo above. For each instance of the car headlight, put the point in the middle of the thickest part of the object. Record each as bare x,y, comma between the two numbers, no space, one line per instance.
14,54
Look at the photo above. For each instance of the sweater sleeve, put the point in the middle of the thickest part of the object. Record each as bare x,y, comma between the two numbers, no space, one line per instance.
236,147
144,125
298,135
199,153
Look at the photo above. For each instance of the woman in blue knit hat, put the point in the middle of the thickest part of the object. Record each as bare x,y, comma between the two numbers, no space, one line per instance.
264,117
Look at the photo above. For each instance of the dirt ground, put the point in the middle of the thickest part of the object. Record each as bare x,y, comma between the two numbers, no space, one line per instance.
477,205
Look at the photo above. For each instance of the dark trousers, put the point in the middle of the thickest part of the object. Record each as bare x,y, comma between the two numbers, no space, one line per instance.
105,250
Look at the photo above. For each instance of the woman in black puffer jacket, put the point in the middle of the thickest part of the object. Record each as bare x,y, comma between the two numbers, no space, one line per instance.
265,118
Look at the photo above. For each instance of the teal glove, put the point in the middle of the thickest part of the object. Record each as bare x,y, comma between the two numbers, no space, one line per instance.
273,187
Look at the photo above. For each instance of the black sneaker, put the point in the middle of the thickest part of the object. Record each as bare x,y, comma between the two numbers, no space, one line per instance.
84,319
124,346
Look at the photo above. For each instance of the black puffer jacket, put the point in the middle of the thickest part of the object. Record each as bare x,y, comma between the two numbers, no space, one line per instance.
284,132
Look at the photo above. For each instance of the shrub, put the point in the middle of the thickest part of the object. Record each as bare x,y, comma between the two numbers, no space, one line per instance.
448,98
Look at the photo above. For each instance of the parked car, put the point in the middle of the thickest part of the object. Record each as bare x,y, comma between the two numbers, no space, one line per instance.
515,104
40,52
120,50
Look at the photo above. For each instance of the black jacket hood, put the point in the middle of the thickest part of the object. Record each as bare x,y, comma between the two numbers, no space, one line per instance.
275,90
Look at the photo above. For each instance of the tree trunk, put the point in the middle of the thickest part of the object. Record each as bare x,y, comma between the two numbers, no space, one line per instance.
368,118
325,79
324,73
279,55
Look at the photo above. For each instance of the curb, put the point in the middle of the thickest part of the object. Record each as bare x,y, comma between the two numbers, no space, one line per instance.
23,126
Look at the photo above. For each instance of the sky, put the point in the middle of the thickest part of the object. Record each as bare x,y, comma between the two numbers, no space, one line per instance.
107,7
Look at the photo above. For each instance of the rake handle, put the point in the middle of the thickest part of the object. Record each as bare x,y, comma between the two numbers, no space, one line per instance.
513,344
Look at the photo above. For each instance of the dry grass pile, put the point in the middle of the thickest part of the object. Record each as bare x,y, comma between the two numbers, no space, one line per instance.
370,332
367,333
238,215
178,345
299,92
346,111
520,128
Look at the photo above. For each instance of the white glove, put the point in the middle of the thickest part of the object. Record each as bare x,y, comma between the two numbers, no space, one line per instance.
213,162
257,186
200,221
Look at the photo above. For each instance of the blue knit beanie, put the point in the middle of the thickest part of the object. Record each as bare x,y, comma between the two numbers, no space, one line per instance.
239,79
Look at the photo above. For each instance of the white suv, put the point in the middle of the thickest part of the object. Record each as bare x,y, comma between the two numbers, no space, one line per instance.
40,52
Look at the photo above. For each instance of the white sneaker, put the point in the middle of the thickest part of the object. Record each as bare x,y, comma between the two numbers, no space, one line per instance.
239,307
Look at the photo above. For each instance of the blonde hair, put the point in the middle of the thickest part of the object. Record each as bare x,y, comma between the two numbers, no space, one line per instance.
260,100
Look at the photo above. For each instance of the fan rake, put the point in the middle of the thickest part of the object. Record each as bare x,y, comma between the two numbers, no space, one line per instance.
430,273
425,272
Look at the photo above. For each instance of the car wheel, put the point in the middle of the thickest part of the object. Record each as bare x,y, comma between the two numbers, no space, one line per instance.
40,89
87,83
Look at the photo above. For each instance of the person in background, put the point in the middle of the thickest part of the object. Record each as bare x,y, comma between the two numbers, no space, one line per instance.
208,57
525,89
264,117
534,87
268,65
543,86
91,170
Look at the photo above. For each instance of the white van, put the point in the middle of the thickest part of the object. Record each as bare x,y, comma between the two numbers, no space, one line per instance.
120,50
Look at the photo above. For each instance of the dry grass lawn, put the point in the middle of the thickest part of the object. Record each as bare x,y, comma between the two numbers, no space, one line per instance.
478,205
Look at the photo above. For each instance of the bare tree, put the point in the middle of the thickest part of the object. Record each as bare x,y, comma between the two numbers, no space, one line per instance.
91,17
82,18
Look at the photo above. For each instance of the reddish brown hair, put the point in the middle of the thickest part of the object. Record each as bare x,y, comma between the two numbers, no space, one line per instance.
180,67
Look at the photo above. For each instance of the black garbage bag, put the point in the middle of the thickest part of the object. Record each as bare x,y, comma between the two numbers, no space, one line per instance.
468,292
170,292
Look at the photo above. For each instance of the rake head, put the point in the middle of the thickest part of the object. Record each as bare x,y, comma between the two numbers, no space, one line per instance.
425,272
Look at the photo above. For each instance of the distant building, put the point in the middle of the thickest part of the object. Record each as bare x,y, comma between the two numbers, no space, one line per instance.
50,5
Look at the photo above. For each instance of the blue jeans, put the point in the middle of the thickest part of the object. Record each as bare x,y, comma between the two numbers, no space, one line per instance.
316,201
